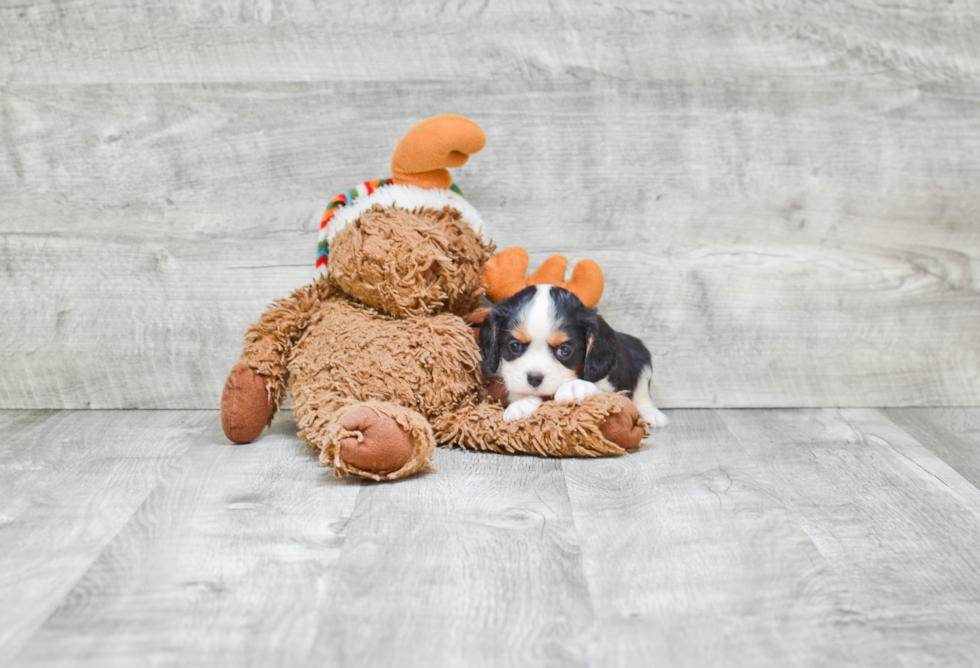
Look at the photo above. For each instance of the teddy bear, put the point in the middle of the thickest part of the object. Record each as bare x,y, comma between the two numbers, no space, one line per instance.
376,352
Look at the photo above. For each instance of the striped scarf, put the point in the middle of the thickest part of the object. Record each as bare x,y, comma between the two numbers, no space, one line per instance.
345,199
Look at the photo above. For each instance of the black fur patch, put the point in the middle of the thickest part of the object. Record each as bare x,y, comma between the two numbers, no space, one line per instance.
631,358
495,338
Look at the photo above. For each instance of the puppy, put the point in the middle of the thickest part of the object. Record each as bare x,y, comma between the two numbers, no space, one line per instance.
547,343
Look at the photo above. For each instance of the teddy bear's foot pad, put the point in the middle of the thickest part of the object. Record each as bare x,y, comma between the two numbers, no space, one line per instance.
624,428
383,444
246,405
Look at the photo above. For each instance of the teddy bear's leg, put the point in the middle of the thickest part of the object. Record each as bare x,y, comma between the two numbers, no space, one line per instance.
371,439
600,426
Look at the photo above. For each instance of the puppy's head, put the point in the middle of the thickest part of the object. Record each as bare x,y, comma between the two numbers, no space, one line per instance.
544,337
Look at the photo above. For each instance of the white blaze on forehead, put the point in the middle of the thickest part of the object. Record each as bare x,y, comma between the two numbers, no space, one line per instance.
538,320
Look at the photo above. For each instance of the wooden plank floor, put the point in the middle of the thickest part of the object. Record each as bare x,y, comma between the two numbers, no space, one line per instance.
823,537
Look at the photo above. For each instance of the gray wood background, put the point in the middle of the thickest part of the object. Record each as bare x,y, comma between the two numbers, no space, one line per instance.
783,195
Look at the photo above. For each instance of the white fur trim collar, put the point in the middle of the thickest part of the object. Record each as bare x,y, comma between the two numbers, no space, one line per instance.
406,198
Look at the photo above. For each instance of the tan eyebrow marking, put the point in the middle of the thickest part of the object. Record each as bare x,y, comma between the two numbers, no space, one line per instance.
557,338
521,334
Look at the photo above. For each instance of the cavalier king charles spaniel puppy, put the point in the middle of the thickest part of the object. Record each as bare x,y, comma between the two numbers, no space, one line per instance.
547,343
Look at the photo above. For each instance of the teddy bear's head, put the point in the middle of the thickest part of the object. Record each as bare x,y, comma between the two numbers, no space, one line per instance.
411,245
419,262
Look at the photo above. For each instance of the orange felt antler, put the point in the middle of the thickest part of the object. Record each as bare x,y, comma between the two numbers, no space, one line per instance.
421,157
504,276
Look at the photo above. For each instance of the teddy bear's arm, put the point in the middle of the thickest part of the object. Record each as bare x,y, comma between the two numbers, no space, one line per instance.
257,384
600,426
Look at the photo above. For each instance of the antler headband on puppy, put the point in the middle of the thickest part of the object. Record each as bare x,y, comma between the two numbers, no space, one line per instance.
420,179
504,276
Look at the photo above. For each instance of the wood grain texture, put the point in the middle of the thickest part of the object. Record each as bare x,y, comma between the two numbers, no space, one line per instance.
776,537
224,564
475,565
781,195
952,433
693,558
253,556
113,41
71,481
898,525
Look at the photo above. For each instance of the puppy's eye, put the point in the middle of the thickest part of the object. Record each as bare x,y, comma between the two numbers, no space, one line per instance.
562,352
516,347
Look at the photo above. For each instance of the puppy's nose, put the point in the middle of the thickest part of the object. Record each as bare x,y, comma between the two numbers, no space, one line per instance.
534,378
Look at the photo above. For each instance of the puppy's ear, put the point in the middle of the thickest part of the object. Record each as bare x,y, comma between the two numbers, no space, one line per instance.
489,343
600,351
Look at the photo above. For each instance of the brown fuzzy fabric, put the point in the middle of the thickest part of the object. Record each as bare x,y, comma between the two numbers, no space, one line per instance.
435,270
554,430
269,342
355,353
384,332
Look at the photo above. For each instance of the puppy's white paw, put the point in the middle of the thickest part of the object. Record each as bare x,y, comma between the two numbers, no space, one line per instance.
576,390
653,416
521,409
